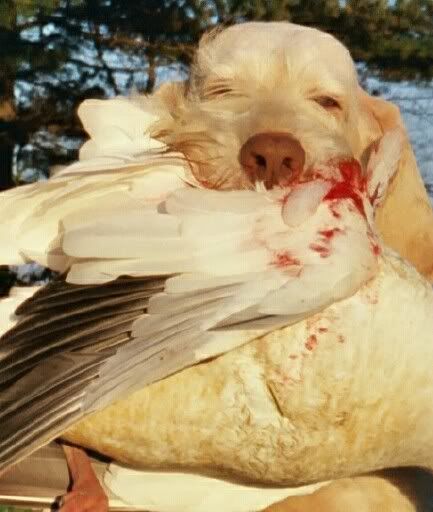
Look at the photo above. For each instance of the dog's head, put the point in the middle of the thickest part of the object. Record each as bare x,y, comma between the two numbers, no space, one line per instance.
264,101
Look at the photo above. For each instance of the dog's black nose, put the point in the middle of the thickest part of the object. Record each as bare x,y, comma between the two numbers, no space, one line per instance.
272,157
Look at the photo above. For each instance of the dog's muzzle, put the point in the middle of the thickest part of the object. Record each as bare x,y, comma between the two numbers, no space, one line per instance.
274,158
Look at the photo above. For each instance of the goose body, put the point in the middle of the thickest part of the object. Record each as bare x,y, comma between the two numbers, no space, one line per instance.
359,401
313,366
234,431
257,413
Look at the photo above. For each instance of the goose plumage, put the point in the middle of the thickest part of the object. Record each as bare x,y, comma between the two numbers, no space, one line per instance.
288,295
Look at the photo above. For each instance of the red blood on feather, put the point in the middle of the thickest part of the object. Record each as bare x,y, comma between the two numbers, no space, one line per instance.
344,190
374,196
311,343
376,249
351,172
334,212
323,251
329,233
284,259
352,184
283,200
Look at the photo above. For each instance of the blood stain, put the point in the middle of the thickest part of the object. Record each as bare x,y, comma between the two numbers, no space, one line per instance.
334,212
323,251
284,259
344,190
376,249
283,200
351,172
353,182
328,234
311,343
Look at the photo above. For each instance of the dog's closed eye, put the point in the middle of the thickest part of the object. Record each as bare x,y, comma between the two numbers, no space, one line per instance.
217,89
217,92
327,102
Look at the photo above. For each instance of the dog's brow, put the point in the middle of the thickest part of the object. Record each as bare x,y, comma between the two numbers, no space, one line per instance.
215,80
332,88
334,93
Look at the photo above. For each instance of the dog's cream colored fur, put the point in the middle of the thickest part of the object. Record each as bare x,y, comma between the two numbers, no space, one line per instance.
281,77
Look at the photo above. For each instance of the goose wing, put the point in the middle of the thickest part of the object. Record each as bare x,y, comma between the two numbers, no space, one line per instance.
156,287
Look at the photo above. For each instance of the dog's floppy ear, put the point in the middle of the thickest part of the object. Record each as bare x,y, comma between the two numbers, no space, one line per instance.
405,219
386,114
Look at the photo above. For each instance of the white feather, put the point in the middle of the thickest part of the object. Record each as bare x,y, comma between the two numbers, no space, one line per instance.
117,125
303,200
383,164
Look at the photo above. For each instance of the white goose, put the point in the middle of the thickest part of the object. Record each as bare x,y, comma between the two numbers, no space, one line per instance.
326,334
